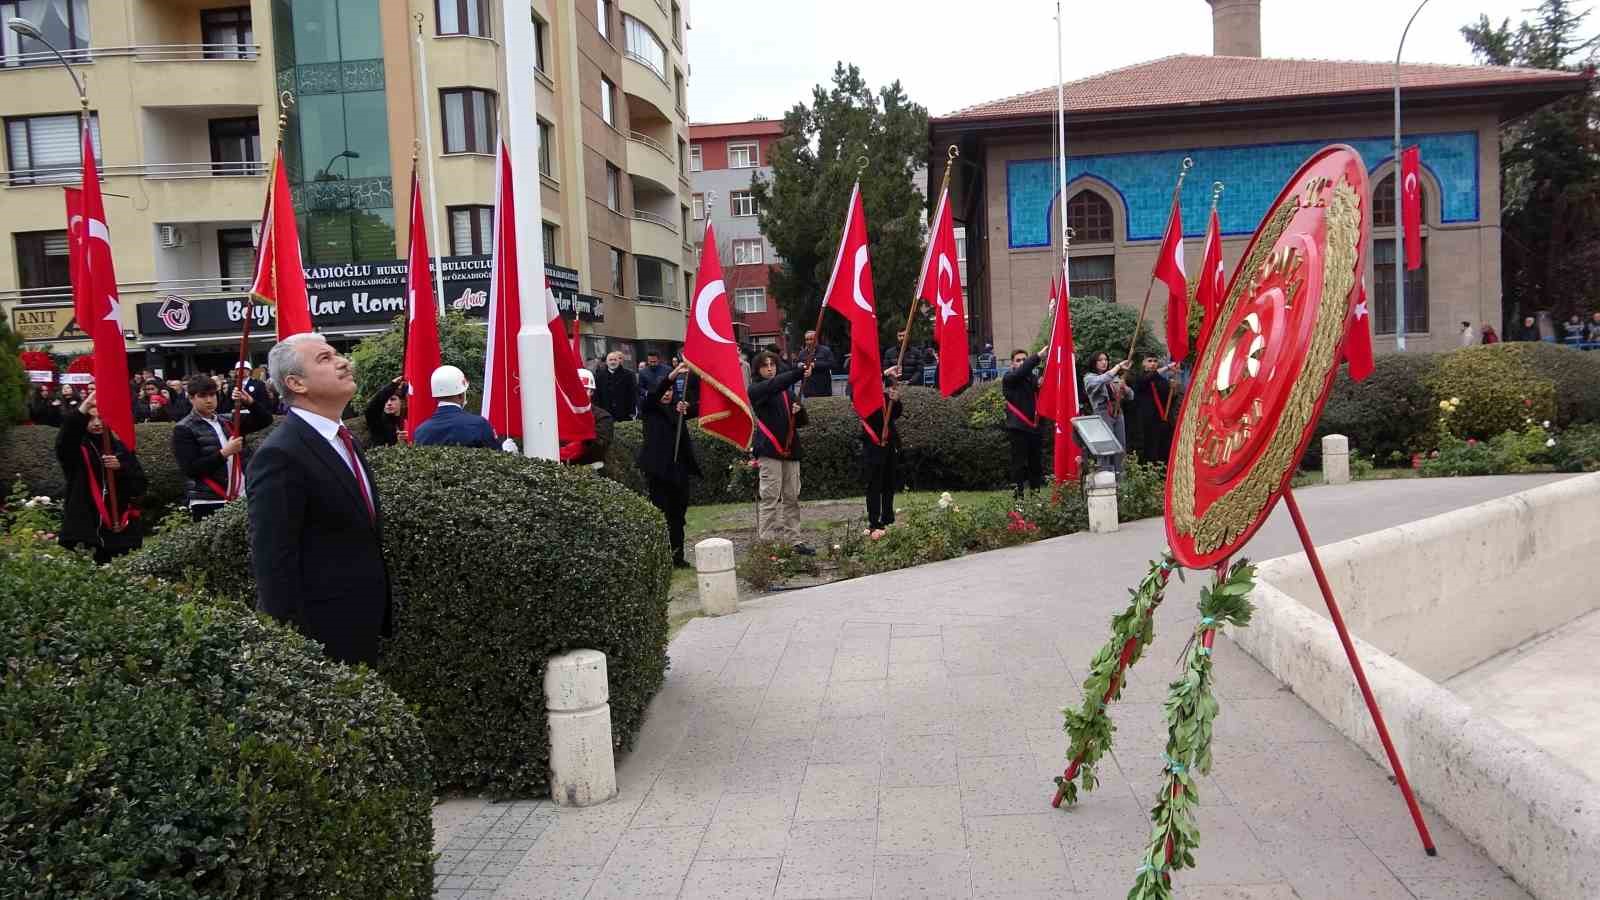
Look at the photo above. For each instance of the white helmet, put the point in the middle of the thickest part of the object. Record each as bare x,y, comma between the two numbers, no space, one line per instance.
448,381
587,377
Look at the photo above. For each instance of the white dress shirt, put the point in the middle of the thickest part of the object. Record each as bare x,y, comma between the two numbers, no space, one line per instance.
329,429
230,462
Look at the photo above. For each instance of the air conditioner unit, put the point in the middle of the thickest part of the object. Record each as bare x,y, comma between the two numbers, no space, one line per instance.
170,236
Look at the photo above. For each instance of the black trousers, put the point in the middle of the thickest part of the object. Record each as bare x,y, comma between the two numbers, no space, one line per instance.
1027,460
672,498
202,510
881,477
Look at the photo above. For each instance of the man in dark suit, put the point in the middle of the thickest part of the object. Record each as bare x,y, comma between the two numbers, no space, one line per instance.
450,425
616,389
315,518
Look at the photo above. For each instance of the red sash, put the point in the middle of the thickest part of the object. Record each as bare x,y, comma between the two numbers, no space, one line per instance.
783,448
880,441
98,496
1161,408
1032,423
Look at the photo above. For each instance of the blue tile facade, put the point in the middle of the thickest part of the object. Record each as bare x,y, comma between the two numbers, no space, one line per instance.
1254,174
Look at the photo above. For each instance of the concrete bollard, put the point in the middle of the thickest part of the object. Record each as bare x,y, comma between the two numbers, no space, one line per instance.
1103,503
719,585
583,771
1335,459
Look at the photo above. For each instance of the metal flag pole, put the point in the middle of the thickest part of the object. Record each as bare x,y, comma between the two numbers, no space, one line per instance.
1061,171
433,190
1400,220
1177,192
950,155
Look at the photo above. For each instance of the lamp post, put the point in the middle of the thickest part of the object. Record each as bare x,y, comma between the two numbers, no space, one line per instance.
327,175
1400,220
27,29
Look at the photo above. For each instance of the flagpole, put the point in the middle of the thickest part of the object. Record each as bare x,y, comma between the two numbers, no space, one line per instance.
411,309
1061,169
943,197
1183,171
535,353
86,138
433,190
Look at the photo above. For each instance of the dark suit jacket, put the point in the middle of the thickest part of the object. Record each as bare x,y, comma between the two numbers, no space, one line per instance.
318,556
452,426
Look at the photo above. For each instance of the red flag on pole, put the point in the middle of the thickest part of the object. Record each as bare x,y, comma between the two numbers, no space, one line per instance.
940,285
1358,337
422,321
280,281
850,295
1411,203
502,389
103,307
1213,286
709,349
1046,402
574,414
1169,270
1058,392
77,237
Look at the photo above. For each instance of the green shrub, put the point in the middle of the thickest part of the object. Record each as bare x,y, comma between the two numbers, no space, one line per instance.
1505,454
1577,449
1393,412
23,513
13,380
1498,391
1100,326
1575,373
160,744
461,344
30,454
497,563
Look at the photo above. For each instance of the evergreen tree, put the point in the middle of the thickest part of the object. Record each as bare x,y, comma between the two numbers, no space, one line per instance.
846,130
1550,168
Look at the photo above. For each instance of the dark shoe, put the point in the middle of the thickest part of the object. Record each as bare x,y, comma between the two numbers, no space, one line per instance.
804,550
679,562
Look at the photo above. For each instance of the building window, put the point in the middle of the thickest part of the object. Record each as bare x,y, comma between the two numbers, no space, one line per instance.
743,156
1383,288
471,229
548,233
683,157
1383,203
1089,217
463,17
1093,276
742,202
657,279
235,146
747,253
469,120
685,211
608,101
46,149
602,18
546,137
42,259
961,244
677,23
619,261
677,90
538,43
236,258
613,188
699,201
750,300
642,46
64,23
227,33
695,162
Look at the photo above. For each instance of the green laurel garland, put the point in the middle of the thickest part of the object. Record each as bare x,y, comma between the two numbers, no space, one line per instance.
1191,708
1089,727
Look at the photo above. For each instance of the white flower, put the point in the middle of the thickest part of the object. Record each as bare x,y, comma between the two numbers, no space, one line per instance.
1547,423
945,500
1550,443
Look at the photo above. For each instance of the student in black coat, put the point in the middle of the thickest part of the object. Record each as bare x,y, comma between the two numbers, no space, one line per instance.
44,406
384,420
880,457
1020,385
667,456
1154,410
86,512
316,521
779,416
204,449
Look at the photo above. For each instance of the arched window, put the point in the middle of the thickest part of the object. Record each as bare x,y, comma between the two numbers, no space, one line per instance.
1383,266
1089,217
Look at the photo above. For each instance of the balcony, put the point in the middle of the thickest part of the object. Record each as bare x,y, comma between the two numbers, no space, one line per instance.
648,159
654,235
648,96
185,74
655,322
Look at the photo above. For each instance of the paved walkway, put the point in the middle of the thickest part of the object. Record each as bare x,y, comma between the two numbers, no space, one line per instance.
895,736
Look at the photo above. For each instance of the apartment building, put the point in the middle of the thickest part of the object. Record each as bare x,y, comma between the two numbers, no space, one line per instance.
724,158
184,100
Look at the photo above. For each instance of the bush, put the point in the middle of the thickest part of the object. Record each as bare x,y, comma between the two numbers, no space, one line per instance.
461,344
30,454
1100,326
13,380
1393,412
160,744
1577,449
1575,374
497,563
1506,454
1499,391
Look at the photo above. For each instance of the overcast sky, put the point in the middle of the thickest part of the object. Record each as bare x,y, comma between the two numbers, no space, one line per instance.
760,57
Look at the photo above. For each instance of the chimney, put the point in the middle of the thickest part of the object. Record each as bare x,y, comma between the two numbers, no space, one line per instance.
1235,27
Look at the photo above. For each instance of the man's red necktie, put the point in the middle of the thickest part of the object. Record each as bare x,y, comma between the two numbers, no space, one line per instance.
355,466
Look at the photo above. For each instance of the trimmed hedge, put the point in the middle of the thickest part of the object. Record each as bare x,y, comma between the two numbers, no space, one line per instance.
29,452
13,380
160,744
1574,373
1499,391
1393,412
497,563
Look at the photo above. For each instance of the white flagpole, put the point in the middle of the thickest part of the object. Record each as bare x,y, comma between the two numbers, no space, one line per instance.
535,353
433,190
1061,166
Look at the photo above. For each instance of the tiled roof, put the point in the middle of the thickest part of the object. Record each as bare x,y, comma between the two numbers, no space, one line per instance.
1181,81
753,128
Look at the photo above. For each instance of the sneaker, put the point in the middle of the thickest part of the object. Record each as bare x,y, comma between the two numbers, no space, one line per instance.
804,550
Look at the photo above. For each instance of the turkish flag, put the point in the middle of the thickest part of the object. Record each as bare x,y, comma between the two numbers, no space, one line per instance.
77,239
502,384
280,281
1169,269
574,413
102,308
709,349
850,295
940,285
1058,392
422,320
1358,337
1411,203
1213,286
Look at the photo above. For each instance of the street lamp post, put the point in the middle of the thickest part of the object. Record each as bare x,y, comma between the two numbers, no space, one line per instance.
27,29
1399,220
326,173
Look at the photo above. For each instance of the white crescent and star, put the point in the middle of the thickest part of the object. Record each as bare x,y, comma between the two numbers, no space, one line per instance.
702,308
1411,183
945,278
855,282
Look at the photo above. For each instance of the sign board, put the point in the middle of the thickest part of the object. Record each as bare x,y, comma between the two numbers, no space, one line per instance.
46,324
77,378
41,376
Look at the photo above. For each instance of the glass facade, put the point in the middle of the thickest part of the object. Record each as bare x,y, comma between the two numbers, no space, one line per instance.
329,53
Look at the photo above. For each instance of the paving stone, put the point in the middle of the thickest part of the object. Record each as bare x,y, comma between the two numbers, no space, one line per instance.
1001,785
828,859
920,820
648,862
732,879
923,876
920,760
1337,870
1016,854
839,791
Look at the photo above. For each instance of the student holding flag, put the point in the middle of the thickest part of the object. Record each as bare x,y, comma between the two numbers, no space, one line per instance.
93,472
779,418
667,456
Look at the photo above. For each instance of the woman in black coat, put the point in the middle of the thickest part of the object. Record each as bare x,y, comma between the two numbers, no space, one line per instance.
384,417
667,456
880,456
86,514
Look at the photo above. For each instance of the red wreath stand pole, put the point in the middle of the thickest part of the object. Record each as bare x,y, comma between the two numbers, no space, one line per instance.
1361,675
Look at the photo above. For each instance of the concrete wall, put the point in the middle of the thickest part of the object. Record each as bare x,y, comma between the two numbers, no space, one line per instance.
1444,594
